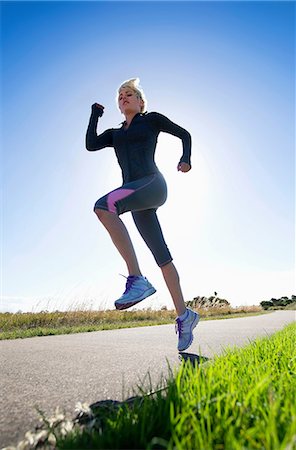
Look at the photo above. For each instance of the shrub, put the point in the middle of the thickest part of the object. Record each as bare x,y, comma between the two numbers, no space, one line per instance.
266,304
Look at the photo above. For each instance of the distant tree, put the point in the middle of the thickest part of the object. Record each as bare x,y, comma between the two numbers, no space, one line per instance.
266,304
278,302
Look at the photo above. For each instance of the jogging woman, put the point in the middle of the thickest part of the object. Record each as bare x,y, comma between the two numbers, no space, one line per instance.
142,192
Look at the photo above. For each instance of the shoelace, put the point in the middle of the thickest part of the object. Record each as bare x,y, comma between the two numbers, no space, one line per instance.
178,327
129,283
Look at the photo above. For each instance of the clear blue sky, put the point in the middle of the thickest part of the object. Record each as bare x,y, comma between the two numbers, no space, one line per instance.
224,71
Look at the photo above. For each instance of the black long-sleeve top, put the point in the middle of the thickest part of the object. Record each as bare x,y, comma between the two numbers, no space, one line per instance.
135,146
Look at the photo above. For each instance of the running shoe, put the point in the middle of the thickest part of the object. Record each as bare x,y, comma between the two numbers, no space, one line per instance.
137,288
185,327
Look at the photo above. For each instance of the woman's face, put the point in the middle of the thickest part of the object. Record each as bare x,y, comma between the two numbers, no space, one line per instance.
128,101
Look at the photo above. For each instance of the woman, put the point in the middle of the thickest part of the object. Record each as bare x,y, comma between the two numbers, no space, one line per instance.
142,192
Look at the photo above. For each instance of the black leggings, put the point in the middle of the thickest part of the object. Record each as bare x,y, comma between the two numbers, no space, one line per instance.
142,197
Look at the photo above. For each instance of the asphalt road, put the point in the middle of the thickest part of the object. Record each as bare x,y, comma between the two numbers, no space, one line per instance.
61,370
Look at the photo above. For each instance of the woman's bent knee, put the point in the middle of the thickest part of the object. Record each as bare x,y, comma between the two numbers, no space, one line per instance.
100,213
103,214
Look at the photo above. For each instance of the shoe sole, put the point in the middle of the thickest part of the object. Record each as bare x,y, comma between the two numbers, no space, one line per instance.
193,325
121,306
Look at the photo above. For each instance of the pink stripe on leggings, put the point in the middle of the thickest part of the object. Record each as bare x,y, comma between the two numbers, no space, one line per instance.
114,196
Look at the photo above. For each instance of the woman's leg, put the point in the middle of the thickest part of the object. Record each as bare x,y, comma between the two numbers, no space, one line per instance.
120,238
172,280
149,227
131,196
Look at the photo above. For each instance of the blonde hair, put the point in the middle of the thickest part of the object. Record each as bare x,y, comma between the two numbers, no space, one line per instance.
134,85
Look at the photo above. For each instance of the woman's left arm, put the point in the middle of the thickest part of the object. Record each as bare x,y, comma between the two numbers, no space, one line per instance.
167,126
92,140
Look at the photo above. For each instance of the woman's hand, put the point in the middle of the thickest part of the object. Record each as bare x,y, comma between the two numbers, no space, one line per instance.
184,167
98,109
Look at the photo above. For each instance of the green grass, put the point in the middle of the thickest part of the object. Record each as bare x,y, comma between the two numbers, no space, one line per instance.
242,400
23,325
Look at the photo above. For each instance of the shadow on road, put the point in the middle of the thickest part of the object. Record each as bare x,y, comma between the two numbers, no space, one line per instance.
193,358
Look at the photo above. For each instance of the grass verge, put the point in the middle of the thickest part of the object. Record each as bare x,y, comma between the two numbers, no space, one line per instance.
23,325
242,400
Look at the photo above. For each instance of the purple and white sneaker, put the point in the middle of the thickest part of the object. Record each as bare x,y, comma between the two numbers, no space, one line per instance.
137,289
184,327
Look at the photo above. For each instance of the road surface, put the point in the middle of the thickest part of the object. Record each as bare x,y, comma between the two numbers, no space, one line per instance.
88,367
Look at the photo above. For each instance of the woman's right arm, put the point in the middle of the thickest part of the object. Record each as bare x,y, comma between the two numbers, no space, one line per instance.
93,141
